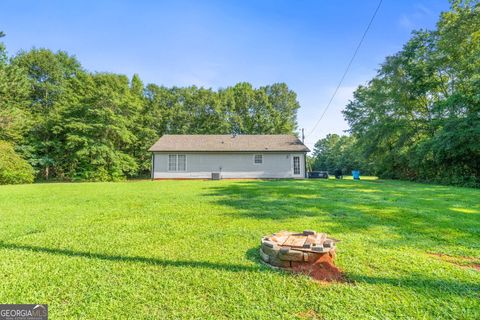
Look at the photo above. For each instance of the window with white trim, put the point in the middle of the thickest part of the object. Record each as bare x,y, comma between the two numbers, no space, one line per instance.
296,165
177,162
258,159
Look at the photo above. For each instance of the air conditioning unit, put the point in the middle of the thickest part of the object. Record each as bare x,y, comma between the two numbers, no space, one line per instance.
216,176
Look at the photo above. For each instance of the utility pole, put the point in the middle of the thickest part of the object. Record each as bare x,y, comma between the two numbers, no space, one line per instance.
305,155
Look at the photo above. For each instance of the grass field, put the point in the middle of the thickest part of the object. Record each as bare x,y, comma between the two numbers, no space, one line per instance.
189,249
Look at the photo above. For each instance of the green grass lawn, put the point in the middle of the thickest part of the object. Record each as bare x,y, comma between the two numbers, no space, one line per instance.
189,249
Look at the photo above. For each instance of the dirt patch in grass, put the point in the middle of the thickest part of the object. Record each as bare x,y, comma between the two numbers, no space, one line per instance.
309,314
321,271
459,261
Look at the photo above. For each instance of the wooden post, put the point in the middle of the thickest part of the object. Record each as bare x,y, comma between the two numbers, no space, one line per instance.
305,174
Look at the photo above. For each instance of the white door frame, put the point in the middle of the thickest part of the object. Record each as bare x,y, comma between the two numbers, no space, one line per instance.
299,164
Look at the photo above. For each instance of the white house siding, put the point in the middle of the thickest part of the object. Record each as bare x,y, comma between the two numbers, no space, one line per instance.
230,165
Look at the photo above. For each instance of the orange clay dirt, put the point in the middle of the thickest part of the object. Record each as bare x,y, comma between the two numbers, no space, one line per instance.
308,252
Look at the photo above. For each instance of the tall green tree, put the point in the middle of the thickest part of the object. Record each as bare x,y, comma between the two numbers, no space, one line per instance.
48,74
419,117
141,124
14,100
71,124
339,152
98,129
284,108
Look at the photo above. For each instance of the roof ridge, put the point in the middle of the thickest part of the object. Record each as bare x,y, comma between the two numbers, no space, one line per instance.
229,143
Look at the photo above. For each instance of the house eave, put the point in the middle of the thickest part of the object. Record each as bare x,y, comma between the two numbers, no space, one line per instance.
231,151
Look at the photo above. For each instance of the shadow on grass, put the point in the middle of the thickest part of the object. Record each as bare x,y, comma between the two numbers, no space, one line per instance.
421,283
417,282
253,254
135,259
414,212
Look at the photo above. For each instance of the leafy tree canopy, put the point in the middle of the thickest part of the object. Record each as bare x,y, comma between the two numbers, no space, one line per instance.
419,117
71,124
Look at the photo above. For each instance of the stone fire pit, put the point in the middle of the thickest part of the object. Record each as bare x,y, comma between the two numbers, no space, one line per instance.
308,252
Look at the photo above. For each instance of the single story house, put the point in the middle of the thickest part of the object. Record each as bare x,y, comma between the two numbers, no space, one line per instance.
228,156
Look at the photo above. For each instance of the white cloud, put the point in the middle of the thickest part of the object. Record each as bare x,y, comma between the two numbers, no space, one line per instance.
423,10
415,19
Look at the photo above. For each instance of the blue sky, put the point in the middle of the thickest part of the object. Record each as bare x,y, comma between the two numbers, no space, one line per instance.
306,44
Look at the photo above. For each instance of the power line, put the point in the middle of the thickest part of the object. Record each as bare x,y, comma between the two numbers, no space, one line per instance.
347,69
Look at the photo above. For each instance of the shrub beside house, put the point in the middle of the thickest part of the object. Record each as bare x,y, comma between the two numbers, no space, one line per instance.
13,168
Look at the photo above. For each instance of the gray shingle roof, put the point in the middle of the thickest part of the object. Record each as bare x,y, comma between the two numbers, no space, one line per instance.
229,143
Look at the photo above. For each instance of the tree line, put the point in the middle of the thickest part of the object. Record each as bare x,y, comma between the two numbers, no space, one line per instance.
339,152
419,117
60,121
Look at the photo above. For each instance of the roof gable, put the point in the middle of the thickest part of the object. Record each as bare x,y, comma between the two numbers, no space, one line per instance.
229,143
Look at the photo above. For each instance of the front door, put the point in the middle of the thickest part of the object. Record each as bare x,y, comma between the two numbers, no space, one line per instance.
296,165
